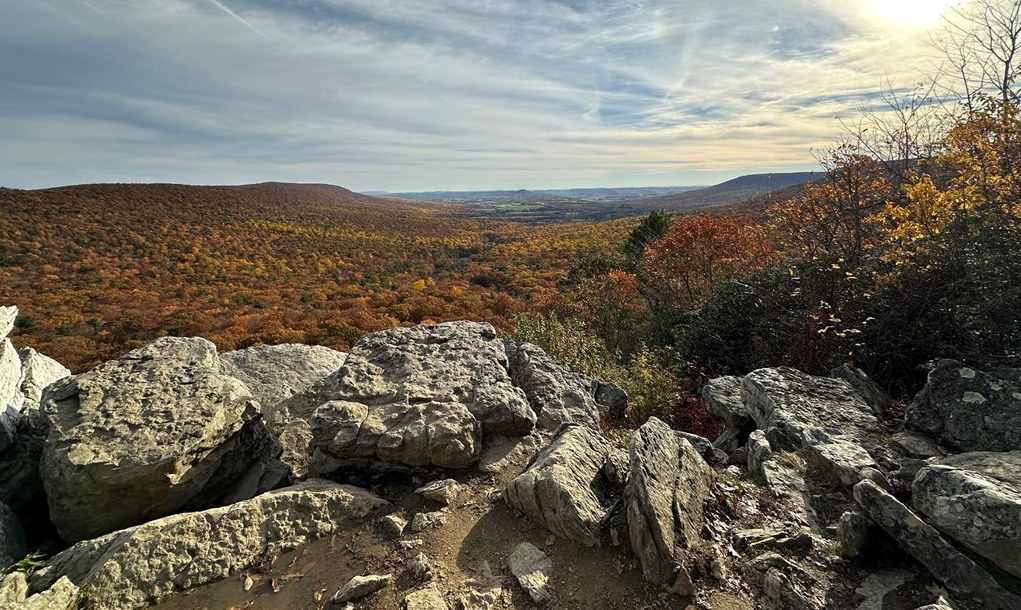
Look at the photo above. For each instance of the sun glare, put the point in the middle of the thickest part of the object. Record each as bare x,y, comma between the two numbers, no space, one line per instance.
915,13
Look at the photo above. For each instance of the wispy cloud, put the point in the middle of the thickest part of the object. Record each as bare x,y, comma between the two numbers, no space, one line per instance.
398,95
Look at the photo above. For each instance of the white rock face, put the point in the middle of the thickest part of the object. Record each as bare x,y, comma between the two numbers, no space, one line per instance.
155,431
141,565
571,484
557,395
11,399
274,373
38,371
418,396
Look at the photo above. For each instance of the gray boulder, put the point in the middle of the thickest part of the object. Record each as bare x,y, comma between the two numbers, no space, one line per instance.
571,485
37,372
722,397
135,567
417,397
704,447
153,432
794,403
12,538
982,513
869,390
556,394
759,450
835,454
1002,466
532,568
612,399
961,576
274,373
11,399
969,410
664,500
917,445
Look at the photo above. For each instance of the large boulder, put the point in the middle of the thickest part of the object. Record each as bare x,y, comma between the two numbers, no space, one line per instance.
869,390
961,576
968,409
274,373
143,436
794,403
556,394
571,485
135,567
845,460
668,485
37,372
980,512
418,396
722,397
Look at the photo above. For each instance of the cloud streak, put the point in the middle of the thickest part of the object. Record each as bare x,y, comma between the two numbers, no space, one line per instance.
397,95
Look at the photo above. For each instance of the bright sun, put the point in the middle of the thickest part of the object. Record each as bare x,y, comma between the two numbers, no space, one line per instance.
918,13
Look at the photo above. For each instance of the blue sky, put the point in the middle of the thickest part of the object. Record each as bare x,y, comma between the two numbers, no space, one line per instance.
446,94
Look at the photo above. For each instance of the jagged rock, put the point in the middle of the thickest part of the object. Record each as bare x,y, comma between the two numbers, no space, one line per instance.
853,534
11,399
418,396
612,399
557,395
425,599
8,314
794,403
780,593
842,458
443,492
532,568
12,538
571,485
869,390
274,373
423,521
729,440
360,586
37,372
13,589
722,397
63,595
704,447
484,588
295,438
917,445
982,513
759,451
969,410
144,564
150,433
393,525
501,453
420,567
664,499
956,571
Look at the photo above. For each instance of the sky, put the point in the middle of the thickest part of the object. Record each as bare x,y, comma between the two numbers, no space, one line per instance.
407,95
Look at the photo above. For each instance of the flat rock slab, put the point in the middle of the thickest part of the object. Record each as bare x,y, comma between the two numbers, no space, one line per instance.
981,513
145,435
135,567
668,485
532,568
968,409
794,403
1003,466
571,485
418,396
961,576
274,373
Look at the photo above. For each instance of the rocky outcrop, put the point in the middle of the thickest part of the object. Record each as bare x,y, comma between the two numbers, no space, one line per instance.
557,395
37,372
274,373
12,538
794,403
704,447
134,567
11,398
848,462
571,485
722,397
664,500
956,571
968,409
982,513
155,431
419,396
869,390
